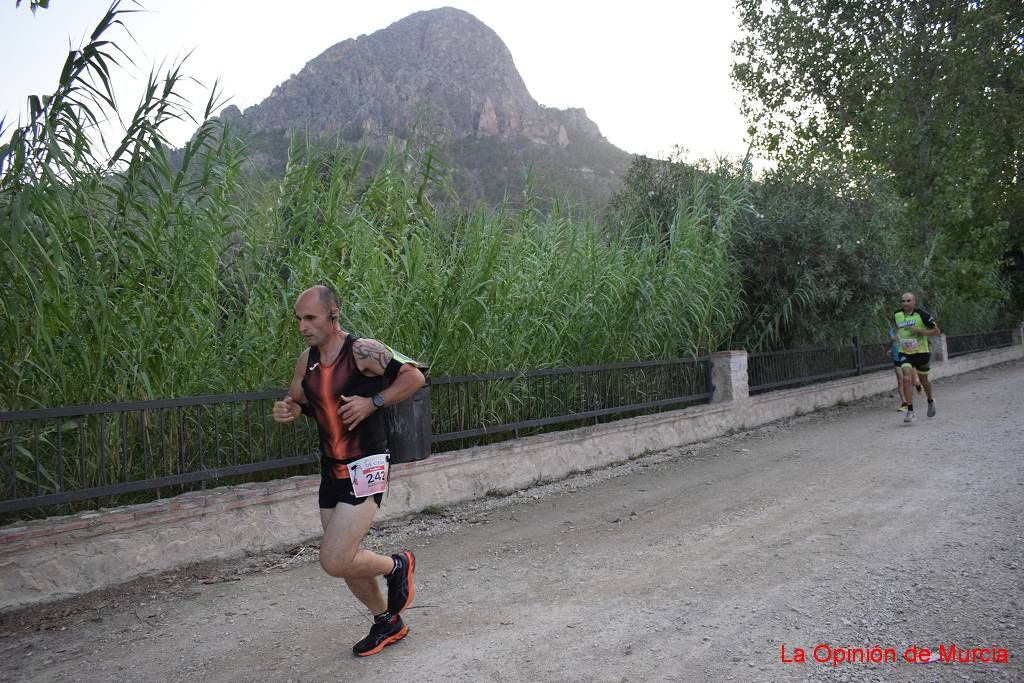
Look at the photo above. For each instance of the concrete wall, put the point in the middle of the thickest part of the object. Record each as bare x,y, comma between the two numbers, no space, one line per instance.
60,556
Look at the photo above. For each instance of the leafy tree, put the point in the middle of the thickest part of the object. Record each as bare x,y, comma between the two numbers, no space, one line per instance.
655,191
930,91
820,257
815,241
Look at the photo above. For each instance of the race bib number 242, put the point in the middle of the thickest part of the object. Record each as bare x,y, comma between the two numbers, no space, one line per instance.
369,474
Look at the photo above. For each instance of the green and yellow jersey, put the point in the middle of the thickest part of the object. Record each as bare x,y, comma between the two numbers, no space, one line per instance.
905,322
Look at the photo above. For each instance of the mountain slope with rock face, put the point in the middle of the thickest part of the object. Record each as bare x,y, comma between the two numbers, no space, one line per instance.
449,77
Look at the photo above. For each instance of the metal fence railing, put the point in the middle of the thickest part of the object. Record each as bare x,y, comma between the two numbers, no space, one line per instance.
63,455
148,449
769,370
875,356
959,344
509,403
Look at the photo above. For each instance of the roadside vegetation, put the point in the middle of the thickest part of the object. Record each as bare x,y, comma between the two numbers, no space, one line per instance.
134,271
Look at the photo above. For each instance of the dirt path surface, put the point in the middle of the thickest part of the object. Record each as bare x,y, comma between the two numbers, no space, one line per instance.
843,527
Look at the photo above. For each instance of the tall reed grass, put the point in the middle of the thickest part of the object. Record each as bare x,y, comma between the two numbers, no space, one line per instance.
127,276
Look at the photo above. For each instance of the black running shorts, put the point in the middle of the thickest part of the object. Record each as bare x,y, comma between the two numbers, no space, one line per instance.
334,491
918,361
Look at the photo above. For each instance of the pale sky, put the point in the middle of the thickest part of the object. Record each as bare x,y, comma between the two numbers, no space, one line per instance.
650,74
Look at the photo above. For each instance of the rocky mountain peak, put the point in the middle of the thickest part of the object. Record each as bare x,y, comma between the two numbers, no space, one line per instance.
442,67
446,73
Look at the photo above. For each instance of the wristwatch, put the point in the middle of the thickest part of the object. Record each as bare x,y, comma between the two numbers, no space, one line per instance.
378,401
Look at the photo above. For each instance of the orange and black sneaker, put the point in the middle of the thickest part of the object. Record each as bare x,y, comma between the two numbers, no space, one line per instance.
386,629
400,588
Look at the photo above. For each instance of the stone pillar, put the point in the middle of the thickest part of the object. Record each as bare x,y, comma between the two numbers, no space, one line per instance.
1018,335
729,376
939,349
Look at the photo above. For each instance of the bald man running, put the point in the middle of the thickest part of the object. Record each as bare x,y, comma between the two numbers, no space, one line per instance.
913,327
340,381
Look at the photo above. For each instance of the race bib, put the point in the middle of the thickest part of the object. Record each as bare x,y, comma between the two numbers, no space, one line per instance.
908,345
369,474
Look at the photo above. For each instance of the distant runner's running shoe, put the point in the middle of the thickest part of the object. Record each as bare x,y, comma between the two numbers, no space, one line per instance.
902,408
384,632
909,417
931,408
400,587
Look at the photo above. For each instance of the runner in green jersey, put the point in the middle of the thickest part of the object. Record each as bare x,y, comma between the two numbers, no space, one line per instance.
897,361
913,327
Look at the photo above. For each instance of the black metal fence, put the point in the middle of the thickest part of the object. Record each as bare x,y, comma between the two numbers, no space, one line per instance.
783,369
475,408
877,356
83,454
959,344
62,455
769,370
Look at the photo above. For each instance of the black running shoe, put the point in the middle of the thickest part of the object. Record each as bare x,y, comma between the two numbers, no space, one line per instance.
384,632
400,588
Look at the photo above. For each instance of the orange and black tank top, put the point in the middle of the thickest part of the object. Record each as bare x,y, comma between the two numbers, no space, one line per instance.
323,386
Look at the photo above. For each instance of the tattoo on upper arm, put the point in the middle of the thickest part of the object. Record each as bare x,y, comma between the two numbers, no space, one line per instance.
373,351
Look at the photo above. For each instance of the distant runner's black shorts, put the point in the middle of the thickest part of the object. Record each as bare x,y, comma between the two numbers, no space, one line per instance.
919,361
334,491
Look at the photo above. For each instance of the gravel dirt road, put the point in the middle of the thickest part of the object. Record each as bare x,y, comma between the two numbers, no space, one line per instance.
844,528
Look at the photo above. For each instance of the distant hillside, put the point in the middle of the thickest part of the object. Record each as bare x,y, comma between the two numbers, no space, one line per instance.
448,76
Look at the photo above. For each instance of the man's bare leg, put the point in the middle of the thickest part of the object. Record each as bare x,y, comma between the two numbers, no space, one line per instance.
900,389
927,384
342,554
908,391
908,386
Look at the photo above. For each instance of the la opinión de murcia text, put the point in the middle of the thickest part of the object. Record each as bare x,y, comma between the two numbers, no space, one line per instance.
945,653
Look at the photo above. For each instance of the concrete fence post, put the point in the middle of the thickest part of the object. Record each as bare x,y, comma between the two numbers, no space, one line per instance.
1018,335
729,376
939,348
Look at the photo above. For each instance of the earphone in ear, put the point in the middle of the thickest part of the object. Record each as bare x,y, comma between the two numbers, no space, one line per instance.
334,316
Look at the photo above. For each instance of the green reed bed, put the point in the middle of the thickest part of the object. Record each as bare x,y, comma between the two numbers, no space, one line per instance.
133,273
